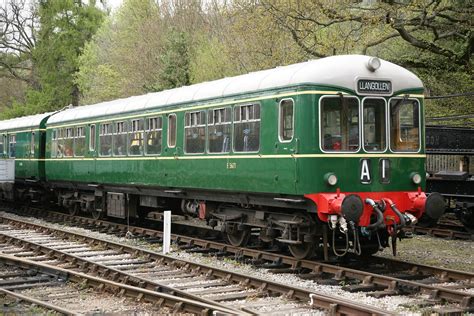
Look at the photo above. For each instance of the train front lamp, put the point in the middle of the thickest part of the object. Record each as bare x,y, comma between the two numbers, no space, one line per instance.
330,178
416,178
373,64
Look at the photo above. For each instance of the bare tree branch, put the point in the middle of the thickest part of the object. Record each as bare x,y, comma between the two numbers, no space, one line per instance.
18,23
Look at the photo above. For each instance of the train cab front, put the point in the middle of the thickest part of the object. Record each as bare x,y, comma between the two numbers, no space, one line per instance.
372,176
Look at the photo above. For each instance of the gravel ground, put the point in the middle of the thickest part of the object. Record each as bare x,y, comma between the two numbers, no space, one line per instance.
90,302
426,250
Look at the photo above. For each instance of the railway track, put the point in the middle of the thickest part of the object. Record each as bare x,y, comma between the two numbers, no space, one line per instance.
139,268
440,232
63,291
405,278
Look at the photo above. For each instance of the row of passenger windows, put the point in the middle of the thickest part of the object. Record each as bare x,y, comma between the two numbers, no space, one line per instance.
206,127
8,145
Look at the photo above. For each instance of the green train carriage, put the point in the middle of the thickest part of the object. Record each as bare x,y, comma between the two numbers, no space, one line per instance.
22,144
288,151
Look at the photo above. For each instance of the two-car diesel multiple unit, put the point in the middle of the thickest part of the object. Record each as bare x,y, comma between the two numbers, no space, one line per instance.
323,154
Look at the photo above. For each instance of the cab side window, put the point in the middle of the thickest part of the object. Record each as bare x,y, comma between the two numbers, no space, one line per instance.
286,120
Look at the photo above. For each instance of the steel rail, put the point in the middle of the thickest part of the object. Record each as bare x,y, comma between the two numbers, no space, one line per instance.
321,300
177,304
114,274
32,300
392,284
440,232
443,273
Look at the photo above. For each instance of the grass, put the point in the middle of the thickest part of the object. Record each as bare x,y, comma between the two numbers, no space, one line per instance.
452,254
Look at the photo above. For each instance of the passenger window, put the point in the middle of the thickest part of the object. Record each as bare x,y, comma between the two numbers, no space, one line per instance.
2,144
404,125
69,142
194,130
136,138
105,139
247,128
219,130
54,143
154,131
374,124
60,143
92,138
80,142
172,130
120,139
32,144
286,128
339,124
12,146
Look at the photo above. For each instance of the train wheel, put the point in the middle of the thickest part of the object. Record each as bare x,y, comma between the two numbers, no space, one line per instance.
302,251
74,209
239,238
96,214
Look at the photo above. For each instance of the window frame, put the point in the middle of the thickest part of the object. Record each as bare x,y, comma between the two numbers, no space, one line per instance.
4,142
246,121
32,143
147,130
125,126
231,123
420,128
76,136
326,96
168,130
68,136
92,138
387,139
108,133
280,125
131,131
203,124
59,137
10,136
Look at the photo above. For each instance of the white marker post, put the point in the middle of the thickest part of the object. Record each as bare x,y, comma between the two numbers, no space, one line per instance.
166,232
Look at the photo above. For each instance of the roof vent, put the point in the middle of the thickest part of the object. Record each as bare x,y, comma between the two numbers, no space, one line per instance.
373,64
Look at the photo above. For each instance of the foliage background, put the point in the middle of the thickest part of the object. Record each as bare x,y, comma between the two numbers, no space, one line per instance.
78,52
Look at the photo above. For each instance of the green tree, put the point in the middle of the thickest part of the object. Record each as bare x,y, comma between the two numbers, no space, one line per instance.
123,56
66,25
175,65
63,27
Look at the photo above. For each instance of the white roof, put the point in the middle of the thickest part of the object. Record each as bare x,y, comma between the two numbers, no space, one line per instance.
32,121
342,71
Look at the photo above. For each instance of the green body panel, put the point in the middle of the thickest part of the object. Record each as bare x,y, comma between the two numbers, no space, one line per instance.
295,167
